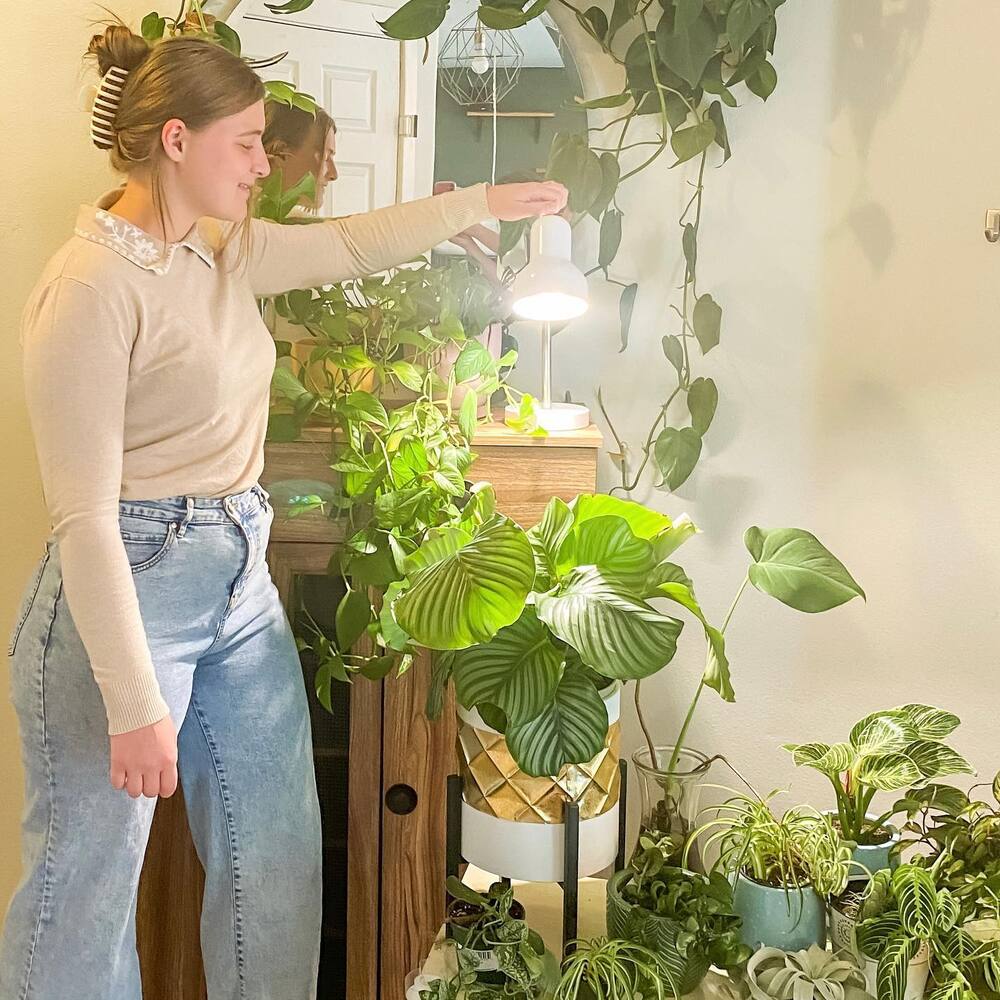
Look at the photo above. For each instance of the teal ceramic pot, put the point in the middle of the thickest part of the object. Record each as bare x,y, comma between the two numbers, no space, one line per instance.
790,919
875,857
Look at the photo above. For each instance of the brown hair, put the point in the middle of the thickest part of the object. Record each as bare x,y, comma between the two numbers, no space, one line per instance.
192,79
289,130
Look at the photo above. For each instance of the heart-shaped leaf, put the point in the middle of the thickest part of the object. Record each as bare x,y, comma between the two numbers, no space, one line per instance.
930,723
687,45
415,19
703,398
794,567
707,322
882,732
689,142
354,612
676,452
625,306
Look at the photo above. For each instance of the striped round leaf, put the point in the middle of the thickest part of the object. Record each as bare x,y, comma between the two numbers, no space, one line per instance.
890,980
888,772
518,670
609,544
794,567
824,757
916,895
930,723
546,540
882,732
613,632
470,595
935,760
643,522
571,729
440,544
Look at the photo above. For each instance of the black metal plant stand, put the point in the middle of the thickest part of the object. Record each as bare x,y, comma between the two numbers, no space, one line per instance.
571,854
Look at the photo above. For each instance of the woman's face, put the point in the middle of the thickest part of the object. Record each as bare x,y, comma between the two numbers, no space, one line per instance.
315,160
219,165
327,172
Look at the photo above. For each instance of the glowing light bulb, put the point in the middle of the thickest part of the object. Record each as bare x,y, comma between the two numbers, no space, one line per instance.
480,61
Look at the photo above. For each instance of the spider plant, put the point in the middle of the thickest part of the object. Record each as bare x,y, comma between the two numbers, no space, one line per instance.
603,969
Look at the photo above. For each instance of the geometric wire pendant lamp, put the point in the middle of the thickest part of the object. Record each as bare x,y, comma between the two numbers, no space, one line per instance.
474,59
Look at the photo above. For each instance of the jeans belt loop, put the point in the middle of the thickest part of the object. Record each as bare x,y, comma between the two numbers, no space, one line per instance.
182,527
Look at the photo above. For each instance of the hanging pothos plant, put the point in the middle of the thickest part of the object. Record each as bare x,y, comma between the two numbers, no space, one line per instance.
683,61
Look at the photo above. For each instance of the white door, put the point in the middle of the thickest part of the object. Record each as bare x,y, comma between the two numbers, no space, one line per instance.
372,86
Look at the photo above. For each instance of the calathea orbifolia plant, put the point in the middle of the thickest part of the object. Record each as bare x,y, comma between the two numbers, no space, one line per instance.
684,62
886,751
540,621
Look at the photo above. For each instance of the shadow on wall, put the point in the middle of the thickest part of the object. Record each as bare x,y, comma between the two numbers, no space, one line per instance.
877,42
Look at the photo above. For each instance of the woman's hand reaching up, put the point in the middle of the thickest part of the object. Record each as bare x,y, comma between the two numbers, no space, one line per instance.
510,202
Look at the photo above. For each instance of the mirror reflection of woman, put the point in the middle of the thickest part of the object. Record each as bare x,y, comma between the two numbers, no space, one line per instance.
299,143
151,645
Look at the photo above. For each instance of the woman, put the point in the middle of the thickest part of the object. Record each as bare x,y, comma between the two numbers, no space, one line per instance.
299,143
151,637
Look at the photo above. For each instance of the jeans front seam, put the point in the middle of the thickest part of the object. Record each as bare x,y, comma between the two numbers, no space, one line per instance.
50,782
231,833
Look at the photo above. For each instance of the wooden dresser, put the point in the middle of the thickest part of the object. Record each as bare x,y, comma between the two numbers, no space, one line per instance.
391,761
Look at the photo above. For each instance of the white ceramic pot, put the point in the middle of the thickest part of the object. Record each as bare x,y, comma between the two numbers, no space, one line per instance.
916,975
534,852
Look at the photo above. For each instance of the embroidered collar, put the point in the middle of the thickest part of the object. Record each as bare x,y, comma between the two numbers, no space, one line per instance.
98,225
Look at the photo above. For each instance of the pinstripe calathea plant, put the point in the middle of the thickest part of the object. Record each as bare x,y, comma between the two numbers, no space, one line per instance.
537,623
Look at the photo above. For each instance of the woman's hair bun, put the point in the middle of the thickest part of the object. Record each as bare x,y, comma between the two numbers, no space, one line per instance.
117,45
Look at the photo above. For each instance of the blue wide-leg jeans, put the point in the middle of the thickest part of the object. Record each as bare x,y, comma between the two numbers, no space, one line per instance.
229,670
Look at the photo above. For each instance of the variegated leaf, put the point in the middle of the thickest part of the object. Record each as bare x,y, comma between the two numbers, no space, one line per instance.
882,732
929,722
829,759
916,895
888,772
935,760
518,670
890,979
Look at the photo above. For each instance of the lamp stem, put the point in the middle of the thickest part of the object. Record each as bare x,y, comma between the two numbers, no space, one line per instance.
546,365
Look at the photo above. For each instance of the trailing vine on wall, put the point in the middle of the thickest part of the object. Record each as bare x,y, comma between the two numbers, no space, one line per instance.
683,62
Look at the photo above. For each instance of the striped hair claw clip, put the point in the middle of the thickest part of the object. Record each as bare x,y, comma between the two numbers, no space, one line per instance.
102,118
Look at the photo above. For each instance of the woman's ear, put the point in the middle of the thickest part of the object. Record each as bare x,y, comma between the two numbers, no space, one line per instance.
173,138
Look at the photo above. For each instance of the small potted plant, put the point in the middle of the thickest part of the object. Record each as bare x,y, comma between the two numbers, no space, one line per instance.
603,969
811,974
906,917
686,917
886,751
482,923
783,868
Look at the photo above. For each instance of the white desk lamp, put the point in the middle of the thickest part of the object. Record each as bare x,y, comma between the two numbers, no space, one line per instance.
551,288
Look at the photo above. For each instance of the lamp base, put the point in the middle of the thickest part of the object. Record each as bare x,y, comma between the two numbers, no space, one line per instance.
558,416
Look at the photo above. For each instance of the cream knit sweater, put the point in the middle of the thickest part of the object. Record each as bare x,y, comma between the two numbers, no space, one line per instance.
147,375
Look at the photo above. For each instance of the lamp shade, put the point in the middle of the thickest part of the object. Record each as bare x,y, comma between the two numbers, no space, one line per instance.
551,286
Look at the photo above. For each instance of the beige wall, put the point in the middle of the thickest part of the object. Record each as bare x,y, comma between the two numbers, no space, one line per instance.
859,371
51,168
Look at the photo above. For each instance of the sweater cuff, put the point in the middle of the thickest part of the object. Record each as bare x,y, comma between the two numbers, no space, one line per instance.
134,703
470,207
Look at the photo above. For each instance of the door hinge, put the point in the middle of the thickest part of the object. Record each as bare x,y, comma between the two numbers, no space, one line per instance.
408,126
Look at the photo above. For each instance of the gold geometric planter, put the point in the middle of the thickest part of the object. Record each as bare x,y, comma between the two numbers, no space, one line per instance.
493,783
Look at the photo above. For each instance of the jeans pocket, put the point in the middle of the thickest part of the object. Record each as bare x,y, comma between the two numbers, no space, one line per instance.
147,541
27,602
